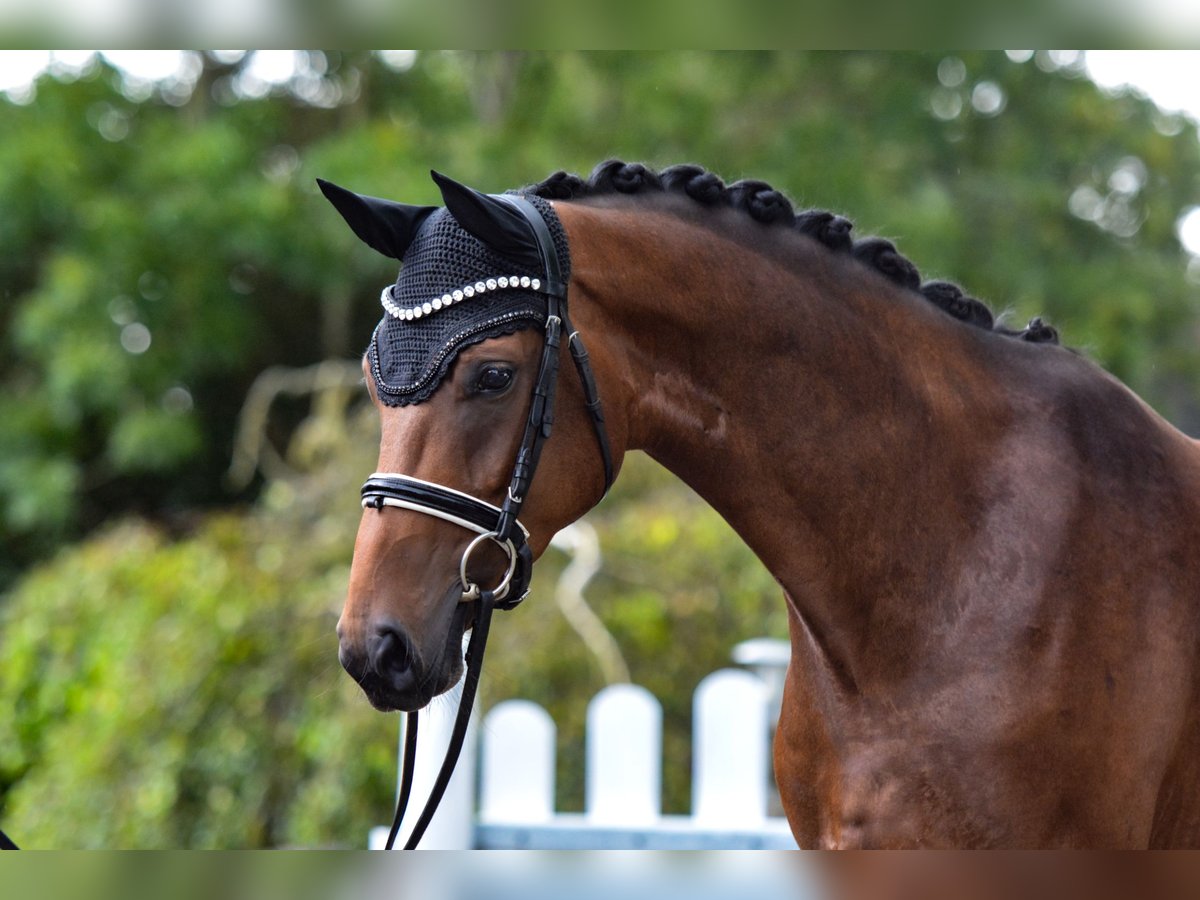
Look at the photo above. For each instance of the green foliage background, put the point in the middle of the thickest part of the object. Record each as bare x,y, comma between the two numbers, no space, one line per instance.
168,669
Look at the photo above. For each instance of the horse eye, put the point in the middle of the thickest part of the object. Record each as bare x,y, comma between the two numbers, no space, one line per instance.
493,379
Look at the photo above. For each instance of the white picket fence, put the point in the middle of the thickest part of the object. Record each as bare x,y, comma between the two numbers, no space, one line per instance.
513,761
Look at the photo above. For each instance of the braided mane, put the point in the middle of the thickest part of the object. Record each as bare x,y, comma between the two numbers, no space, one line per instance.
767,205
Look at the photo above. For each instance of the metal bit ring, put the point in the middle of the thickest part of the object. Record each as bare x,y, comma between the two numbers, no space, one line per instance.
471,591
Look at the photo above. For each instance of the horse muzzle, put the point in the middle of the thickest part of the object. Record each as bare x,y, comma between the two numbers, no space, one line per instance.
392,671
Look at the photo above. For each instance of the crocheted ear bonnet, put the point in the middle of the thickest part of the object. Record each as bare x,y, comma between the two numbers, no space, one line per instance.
453,290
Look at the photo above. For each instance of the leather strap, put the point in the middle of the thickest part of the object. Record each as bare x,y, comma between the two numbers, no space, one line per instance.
403,491
407,768
591,399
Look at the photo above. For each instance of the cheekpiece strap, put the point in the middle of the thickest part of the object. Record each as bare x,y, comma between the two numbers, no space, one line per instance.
556,322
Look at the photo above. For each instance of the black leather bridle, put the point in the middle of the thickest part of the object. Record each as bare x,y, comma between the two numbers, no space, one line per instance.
497,524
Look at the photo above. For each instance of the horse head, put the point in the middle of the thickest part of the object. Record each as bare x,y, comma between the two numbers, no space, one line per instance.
463,371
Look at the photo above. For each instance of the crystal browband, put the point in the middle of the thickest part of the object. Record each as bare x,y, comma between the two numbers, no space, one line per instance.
463,293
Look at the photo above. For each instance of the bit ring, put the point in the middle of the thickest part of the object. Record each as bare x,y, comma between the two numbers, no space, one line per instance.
470,590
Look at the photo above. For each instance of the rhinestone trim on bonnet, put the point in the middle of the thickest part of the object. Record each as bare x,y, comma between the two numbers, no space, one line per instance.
457,296
425,323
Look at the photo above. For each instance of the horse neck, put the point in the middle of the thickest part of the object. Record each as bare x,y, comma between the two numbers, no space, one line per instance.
829,417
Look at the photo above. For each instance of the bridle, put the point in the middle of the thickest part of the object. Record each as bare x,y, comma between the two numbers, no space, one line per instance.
496,524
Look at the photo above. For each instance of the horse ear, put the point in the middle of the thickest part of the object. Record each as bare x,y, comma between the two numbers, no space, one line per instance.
385,225
495,223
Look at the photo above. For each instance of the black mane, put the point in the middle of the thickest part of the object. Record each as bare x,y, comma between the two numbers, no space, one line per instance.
767,205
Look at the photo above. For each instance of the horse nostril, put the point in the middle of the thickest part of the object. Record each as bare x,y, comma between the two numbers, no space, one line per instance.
390,653
392,657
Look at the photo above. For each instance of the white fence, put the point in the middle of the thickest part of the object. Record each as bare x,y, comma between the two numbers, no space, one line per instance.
514,761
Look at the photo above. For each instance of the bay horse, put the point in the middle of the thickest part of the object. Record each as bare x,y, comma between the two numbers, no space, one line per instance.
987,545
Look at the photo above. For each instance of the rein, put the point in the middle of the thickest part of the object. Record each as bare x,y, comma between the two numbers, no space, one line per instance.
498,524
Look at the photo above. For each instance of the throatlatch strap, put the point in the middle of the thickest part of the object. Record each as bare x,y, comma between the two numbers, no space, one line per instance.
591,399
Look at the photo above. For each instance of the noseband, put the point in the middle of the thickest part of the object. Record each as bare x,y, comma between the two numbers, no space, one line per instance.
495,524
405,492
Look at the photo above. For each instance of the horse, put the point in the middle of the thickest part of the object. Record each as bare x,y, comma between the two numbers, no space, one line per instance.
986,544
